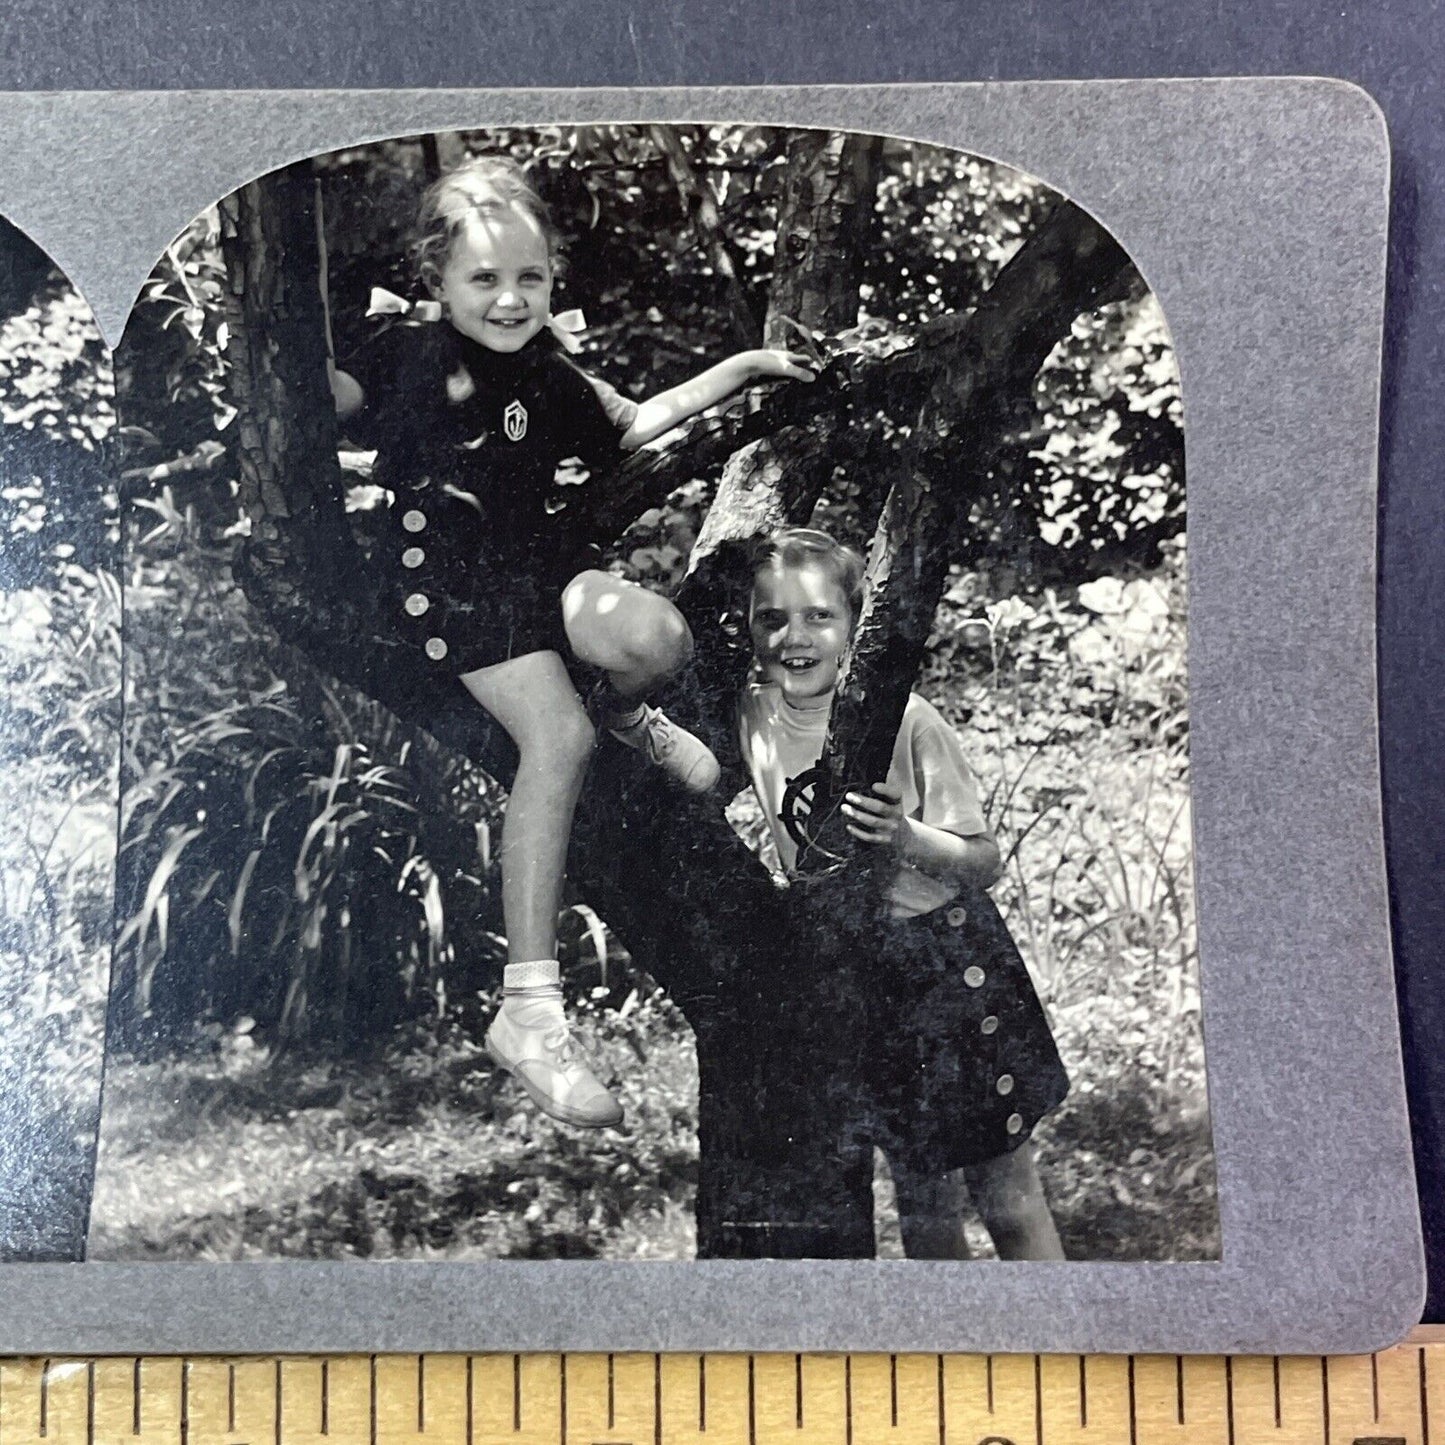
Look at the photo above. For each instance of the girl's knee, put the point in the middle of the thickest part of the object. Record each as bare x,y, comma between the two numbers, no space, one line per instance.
564,742
622,627
663,640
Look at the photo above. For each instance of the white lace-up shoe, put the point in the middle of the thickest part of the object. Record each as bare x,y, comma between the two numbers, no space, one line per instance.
550,1065
683,757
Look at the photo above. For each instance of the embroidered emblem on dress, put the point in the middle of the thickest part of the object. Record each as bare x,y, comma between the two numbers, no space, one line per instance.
514,421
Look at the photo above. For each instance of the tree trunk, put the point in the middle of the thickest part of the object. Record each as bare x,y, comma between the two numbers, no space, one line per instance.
775,1176
943,466
824,224
285,432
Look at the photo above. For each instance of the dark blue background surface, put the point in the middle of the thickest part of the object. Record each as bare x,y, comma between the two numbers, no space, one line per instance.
1392,47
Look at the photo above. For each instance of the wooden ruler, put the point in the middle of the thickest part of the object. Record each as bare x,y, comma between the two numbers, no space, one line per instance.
1393,1398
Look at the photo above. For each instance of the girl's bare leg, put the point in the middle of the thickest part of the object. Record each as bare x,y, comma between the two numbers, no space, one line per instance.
638,639
533,698
1009,1195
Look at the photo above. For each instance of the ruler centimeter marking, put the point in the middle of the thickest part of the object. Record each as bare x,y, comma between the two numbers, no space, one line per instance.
637,1399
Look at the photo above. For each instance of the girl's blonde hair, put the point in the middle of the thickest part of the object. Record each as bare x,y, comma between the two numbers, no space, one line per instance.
482,186
808,546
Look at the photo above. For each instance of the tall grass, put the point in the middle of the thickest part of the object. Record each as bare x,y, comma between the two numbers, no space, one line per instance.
293,860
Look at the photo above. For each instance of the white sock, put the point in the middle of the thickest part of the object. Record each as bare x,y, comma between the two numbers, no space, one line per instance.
625,719
615,712
532,993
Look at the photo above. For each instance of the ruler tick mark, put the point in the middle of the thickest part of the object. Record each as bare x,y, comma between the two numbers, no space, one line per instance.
1179,1388
611,1394
702,1394
373,1400
326,1397
277,1426
564,1398
752,1406
469,1400
1375,1385
90,1402
1038,1400
1276,1393
44,1399
798,1390
230,1399
1133,1407
847,1401
657,1400
1083,1394
421,1394
942,1407
135,1397
1424,1403
1325,1395
185,1401
517,1393
893,1390
1229,1395
988,1381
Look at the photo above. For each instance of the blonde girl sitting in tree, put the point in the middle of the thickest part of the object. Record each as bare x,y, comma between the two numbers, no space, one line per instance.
486,580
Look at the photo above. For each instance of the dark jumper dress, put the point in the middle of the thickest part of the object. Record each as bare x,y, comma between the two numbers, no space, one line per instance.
480,538
944,1053
966,1062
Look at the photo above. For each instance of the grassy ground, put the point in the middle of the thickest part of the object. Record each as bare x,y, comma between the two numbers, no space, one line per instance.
426,1152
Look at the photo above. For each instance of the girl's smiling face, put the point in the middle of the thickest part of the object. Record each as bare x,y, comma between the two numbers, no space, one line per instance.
496,282
800,623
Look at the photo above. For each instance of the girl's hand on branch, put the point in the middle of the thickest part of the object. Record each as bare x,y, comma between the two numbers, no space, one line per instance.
877,820
789,365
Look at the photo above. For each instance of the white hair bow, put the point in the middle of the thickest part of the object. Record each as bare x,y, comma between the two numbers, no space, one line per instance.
566,326
387,303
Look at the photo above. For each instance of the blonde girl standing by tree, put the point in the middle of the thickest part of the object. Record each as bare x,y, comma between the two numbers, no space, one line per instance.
959,1062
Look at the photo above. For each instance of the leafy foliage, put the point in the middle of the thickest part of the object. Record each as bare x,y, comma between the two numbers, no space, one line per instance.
59,718
286,857
57,502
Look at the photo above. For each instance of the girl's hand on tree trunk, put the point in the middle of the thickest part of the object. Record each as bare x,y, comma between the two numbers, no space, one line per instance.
789,365
876,820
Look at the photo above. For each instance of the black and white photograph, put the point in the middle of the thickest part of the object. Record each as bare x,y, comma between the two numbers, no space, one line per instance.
654,714
60,660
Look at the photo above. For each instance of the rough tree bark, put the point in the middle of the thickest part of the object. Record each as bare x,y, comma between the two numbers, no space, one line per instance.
944,464
285,430
749,964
